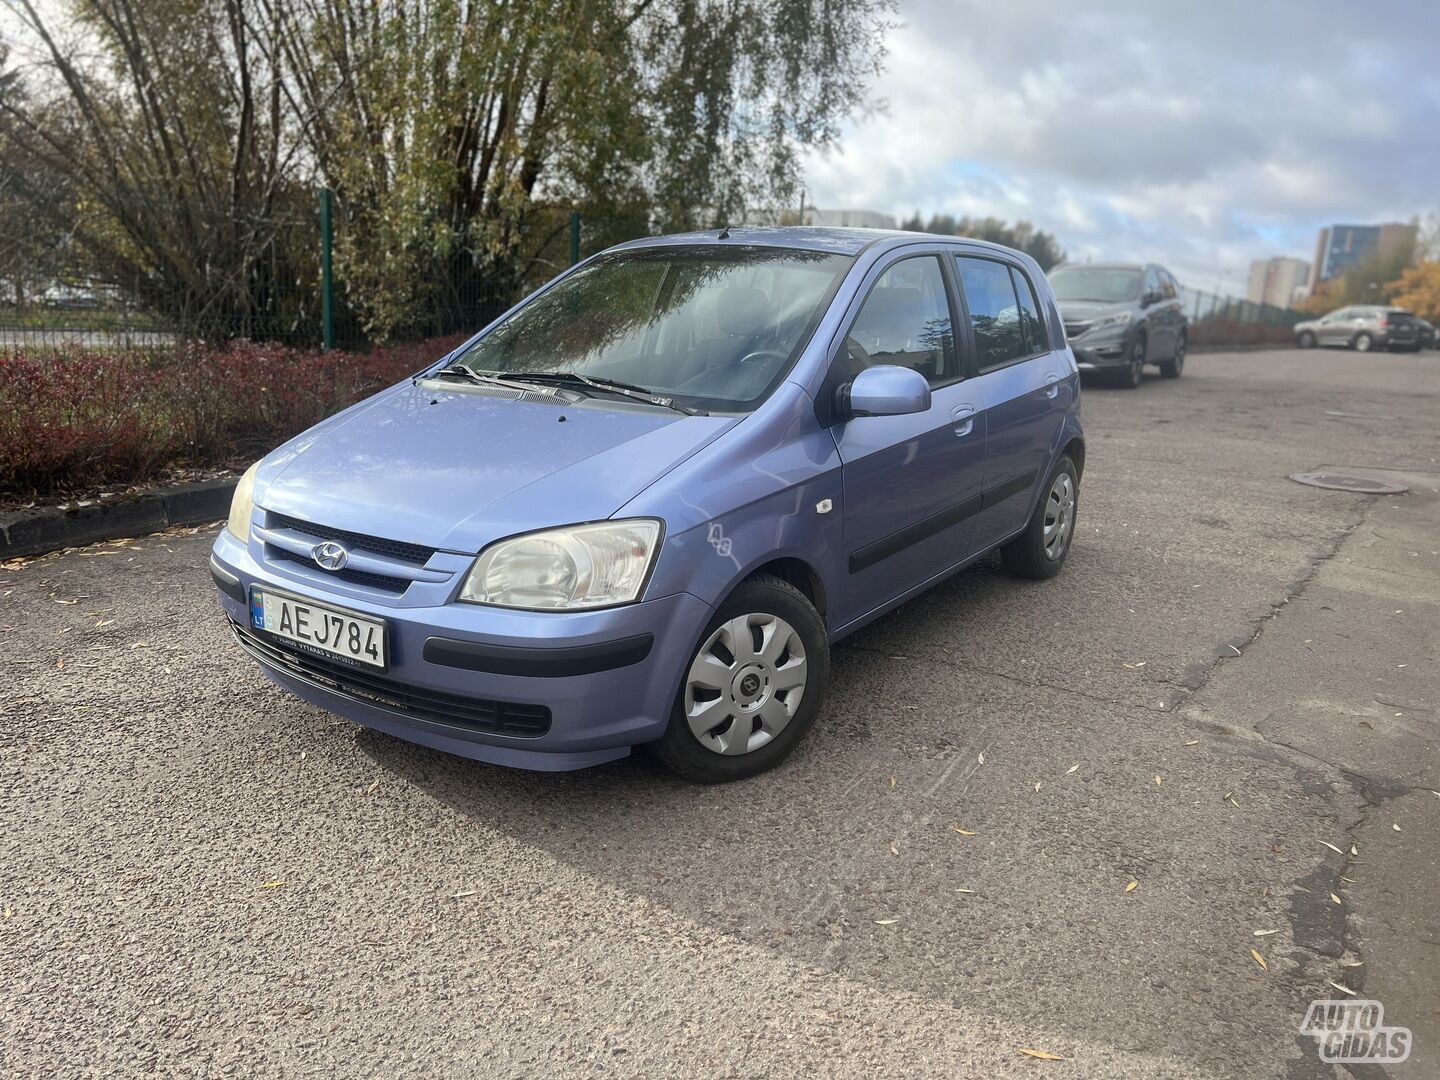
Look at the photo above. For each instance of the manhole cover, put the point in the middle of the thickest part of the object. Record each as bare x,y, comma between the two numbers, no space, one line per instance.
1365,485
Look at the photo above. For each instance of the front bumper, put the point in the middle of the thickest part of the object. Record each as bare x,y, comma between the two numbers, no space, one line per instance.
1103,355
607,678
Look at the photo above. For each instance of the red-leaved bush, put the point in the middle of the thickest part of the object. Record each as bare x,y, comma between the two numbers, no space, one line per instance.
72,421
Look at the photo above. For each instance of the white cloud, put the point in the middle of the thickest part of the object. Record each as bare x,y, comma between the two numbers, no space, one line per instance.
1198,135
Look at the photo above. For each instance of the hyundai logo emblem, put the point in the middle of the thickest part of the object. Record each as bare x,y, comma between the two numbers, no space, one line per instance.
330,556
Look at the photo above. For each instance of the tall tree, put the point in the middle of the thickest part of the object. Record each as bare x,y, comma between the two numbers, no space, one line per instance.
447,128
1023,236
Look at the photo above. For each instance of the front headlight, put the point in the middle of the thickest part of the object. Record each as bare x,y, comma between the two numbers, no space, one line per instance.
1120,318
568,569
242,505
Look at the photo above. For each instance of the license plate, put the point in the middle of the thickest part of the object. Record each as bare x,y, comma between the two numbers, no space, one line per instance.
319,628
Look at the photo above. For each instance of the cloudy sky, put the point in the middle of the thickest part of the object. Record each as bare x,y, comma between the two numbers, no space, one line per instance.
1200,135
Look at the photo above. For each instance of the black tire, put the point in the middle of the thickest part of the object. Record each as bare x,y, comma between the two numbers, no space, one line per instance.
1027,556
1171,369
1362,343
681,750
1130,375
1305,339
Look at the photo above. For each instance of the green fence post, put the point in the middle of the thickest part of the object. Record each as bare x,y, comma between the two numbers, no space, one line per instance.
574,237
327,279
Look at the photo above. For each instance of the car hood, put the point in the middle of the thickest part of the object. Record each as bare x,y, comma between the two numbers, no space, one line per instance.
1074,311
454,470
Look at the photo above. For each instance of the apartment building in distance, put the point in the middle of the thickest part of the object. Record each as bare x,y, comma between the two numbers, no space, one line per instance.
1279,281
1340,247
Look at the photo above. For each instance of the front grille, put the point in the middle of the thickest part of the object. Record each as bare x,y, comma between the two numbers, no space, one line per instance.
395,549
373,688
355,577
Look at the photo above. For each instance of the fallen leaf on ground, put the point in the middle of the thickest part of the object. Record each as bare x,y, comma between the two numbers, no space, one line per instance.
1342,989
1335,898
1395,826
970,892
1132,886
894,850
1259,959
1332,847
1043,1055
980,758
1265,933
892,781
463,895
372,787
885,922
1157,780
1037,785
272,884
962,832
1193,742
1072,768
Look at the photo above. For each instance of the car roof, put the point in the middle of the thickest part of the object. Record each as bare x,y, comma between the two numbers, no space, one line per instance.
806,238
1104,266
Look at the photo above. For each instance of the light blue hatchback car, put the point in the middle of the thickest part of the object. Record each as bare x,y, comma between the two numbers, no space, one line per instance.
640,506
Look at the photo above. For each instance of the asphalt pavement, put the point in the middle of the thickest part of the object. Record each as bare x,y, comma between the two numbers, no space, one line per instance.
1134,819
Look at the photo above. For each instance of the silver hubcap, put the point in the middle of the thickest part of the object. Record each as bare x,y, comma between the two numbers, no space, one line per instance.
1059,515
745,684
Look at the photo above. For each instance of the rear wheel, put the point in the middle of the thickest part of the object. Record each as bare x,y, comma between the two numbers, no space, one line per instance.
1172,368
1305,339
1362,343
752,688
1039,552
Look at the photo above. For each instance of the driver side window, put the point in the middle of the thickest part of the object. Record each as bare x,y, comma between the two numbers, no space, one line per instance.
906,321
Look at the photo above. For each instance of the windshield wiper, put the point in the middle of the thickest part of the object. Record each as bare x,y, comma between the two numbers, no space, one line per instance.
614,386
487,379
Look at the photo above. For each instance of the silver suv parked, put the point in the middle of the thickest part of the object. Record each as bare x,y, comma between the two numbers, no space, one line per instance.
1362,328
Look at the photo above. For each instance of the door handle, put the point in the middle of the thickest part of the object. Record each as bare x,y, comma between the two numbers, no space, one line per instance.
1052,384
964,418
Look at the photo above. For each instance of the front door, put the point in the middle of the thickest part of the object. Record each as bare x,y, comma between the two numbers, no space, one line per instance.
912,483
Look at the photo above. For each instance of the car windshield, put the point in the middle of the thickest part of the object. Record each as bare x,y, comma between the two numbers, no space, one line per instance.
1096,283
716,327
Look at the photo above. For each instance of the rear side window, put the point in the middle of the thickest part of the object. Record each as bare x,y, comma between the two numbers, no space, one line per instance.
906,321
995,316
1030,323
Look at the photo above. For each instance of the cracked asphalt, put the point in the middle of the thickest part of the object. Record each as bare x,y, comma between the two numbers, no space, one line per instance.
1229,699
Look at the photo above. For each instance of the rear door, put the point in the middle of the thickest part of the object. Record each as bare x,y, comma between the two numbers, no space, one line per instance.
1024,384
911,483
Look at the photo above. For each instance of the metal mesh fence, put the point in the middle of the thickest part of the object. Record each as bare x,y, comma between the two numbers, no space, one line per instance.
280,279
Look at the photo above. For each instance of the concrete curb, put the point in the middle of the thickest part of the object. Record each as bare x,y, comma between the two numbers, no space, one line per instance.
49,528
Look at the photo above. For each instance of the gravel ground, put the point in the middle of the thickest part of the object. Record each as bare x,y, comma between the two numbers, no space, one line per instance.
1234,677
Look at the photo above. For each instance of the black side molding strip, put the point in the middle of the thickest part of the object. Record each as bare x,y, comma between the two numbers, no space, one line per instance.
544,663
895,543
1000,492
227,582
867,556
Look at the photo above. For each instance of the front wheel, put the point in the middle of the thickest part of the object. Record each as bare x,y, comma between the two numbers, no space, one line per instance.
1172,368
1305,339
752,688
1363,343
1132,373
1039,552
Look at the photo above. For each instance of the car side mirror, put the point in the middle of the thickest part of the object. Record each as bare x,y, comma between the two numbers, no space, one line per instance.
1149,298
885,390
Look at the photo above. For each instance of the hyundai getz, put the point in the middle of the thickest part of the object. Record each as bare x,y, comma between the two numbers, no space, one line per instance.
641,506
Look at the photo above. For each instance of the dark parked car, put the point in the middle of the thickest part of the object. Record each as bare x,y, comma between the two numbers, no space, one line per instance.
1120,317
1362,327
1427,334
